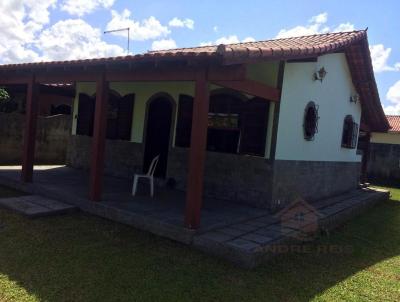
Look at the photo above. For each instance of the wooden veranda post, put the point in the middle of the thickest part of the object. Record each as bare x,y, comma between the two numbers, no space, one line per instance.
32,107
99,139
197,153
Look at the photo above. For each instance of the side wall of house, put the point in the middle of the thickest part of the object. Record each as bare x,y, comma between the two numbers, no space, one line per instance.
239,178
321,167
384,157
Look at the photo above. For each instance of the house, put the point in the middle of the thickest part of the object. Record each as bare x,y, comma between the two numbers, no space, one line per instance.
259,123
384,152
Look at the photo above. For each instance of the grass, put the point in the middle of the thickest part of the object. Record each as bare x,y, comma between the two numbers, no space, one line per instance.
84,258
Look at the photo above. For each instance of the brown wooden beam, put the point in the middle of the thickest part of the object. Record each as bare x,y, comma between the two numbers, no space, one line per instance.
277,106
68,77
197,152
14,80
32,106
226,73
252,87
99,139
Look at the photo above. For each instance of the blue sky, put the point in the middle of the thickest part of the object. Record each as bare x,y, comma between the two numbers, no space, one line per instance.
67,29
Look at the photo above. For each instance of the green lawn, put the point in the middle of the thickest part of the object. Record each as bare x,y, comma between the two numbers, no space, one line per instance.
84,258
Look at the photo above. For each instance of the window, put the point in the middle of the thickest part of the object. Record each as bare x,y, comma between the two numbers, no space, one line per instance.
184,122
234,125
254,117
119,116
310,123
125,114
224,123
350,133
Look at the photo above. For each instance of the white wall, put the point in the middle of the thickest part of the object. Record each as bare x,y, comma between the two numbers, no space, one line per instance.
385,138
333,98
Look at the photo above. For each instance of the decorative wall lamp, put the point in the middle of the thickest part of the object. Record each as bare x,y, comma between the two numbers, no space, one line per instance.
355,98
320,74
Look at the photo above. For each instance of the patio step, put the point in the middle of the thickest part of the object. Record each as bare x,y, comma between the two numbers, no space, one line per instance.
35,206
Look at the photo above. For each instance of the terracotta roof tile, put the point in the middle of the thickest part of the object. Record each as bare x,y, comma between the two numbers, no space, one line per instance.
287,48
394,122
279,48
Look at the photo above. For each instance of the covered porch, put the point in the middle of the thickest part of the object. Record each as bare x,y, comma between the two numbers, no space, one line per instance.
161,215
201,70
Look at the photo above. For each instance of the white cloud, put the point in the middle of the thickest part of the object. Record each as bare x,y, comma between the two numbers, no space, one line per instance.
227,40
316,25
74,39
163,44
82,7
208,43
215,29
25,35
319,19
380,56
248,39
344,27
20,22
147,29
232,39
176,22
393,95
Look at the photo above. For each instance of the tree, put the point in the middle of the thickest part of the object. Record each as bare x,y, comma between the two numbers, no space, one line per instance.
7,105
4,96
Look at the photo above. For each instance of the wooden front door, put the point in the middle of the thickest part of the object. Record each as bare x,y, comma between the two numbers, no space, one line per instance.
85,120
158,129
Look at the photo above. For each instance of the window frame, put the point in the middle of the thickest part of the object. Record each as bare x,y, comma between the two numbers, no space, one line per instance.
306,124
240,111
349,133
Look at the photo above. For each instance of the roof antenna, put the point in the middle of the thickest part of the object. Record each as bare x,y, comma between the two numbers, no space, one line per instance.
118,30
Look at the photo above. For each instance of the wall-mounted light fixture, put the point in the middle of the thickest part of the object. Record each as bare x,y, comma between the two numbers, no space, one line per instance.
355,98
320,74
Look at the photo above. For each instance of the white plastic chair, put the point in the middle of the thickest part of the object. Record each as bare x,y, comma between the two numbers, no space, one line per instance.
148,175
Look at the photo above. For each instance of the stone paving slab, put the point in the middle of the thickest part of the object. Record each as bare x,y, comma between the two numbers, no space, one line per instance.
35,206
248,243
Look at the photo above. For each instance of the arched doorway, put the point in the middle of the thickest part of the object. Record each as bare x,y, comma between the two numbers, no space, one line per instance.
158,131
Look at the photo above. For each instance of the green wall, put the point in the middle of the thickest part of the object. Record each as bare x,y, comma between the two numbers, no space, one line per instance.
265,72
143,92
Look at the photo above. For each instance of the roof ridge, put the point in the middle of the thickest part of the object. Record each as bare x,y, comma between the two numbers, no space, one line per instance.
261,41
299,37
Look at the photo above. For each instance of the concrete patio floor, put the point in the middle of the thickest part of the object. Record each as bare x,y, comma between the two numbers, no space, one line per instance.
162,215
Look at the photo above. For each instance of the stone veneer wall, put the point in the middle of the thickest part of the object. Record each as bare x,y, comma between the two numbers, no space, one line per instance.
123,159
251,180
312,180
238,178
52,136
384,162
